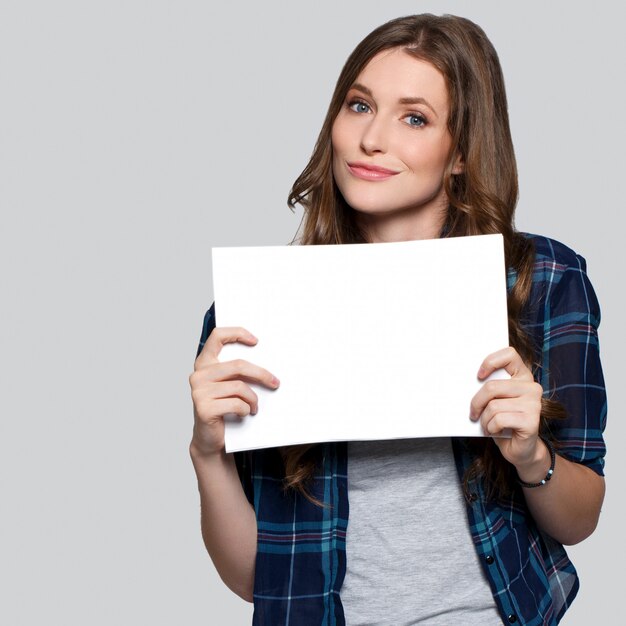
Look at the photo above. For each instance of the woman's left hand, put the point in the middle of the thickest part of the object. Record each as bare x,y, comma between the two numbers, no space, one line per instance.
514,403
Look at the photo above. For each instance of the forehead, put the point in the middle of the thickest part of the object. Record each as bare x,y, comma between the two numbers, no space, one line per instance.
394,74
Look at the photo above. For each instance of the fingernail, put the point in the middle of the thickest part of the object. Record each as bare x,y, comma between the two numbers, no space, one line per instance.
275,381
481,373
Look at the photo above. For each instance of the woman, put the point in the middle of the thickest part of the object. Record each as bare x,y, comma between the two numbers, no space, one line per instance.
416,144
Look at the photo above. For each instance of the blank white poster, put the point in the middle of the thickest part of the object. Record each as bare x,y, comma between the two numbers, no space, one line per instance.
369,341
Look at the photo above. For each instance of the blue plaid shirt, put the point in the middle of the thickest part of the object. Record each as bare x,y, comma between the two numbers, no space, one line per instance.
301,548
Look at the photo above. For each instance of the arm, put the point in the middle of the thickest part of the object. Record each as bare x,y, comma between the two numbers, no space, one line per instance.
228,520
568,506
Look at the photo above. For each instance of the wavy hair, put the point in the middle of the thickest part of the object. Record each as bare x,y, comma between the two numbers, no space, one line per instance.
481,200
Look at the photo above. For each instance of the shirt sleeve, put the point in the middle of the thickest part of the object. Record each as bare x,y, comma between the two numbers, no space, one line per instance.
208,325
243,460
572,373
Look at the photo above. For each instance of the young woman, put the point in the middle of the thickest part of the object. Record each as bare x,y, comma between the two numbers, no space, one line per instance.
416,144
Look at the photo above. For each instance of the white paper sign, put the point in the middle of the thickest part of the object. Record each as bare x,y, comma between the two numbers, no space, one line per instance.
369,341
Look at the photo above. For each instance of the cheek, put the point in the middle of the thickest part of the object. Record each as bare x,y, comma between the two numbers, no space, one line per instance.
337,146
430,156
343,133
336,138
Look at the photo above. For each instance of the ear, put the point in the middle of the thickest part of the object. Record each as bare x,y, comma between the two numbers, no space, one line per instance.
459,164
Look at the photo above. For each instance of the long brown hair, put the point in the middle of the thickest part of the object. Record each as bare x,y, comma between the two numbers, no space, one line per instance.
481,199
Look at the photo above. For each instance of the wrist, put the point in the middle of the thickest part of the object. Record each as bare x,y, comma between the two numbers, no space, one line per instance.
201,456
536,469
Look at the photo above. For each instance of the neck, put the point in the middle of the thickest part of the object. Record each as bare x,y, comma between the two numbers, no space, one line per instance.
403,226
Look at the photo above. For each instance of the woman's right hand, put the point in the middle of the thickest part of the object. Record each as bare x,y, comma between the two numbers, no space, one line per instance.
219,388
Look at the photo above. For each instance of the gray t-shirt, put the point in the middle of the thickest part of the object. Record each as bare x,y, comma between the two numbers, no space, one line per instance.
410,555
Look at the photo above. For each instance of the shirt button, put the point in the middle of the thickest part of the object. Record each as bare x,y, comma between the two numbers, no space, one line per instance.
489,560
512,618
472,497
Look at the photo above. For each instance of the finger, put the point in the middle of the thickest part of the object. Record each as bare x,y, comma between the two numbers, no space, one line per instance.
235,388
229,406
218,338
501,421
494,407
507,358
242,369
512,388
526,408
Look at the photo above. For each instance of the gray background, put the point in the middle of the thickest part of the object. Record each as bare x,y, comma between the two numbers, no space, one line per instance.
136,135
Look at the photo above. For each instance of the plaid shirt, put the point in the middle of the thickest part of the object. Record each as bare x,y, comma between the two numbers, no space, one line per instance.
301,548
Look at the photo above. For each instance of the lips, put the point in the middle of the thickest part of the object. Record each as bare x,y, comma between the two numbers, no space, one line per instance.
370,172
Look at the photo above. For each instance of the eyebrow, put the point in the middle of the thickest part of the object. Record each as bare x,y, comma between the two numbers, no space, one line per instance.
418,100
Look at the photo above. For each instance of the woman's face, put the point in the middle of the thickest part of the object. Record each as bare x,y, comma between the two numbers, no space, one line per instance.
390,147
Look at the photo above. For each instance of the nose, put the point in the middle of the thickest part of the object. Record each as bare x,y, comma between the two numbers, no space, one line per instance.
374,137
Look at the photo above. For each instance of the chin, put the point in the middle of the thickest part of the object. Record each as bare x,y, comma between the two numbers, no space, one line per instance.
372,207
366,204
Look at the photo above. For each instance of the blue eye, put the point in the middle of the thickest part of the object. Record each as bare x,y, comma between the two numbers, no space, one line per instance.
358,106
416,120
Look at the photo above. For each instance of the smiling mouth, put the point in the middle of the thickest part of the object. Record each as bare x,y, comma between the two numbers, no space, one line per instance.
370,172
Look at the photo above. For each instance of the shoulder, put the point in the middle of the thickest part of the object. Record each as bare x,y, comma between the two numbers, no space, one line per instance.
554,263
560,279
554,255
